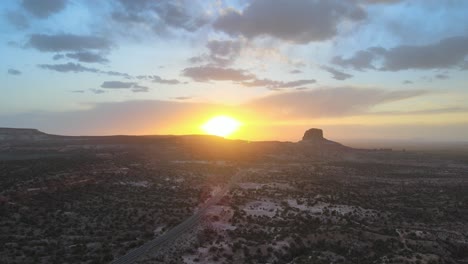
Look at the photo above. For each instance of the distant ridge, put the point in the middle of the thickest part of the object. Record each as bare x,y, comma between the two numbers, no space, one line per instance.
7,133
312,139
30,135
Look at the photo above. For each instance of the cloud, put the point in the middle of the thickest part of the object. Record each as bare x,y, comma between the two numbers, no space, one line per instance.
447,53
179,14
295,21
85,56
381,1
295,71
261,83
211,73
78,91
158,79
407,82
220,53
295,83
442,76
114,73
223,52
135,87
274,85
159,15
68,67
14,72
43,8
183,97
68,42
97,91
336,74
361,60
76,68
17,19
139,89
197,59
58,57
464,66
326,102
117,85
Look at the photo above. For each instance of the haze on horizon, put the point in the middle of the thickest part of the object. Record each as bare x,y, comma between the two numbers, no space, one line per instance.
360,69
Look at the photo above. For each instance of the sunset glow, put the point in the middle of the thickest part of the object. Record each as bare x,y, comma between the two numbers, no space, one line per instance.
222,126
387,69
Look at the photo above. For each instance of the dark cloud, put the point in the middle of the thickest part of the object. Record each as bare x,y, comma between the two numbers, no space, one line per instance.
296,71
296,83
78,91
14,72
296,21
327,102
114,73
76,67
381,1
17,19
223,48
139,89
158,79
262,83
128,18
43,8
210,73
336,74
361,60
447,53
89,57
183,98
68,42
158,15
58,57
13,44
220,53
68,67
464,66
97,91
178,14
223,52
197,59
117,85
276,85
135,87
442,76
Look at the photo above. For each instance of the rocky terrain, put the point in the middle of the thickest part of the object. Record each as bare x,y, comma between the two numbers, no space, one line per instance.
93,199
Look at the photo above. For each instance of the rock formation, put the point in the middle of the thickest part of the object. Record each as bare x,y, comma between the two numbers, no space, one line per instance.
314,138
314,134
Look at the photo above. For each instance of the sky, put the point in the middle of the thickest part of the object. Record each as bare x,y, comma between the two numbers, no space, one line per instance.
359,69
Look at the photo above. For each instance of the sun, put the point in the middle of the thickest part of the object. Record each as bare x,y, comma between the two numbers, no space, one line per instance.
222,126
